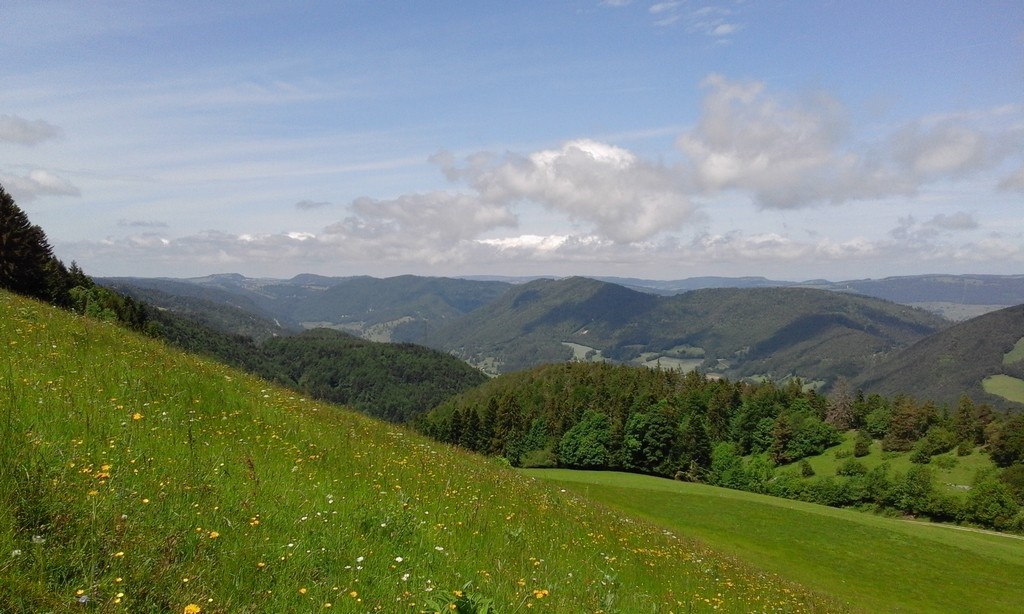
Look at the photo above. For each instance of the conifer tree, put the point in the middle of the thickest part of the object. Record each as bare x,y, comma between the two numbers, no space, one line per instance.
26,258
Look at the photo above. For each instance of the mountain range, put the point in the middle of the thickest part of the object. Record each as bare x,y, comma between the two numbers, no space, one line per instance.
737,327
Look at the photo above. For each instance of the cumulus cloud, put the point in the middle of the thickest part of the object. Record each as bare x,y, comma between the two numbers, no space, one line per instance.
946,150
426,227
14,129
625,198
787,153
795,152
36,183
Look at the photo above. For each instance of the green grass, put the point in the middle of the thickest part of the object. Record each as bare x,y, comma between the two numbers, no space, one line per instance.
1010,388
1016,354
137,478
952,479
871,563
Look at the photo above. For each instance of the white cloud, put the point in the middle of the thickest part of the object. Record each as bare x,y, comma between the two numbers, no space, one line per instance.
624,197
435,220
948,149
788,154
36,183
14,129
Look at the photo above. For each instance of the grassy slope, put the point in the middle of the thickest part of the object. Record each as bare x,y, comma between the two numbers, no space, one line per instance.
137,478
954,478
873,563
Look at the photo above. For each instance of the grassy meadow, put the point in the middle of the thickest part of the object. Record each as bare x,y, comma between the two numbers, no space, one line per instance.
870,563
134,477
953,473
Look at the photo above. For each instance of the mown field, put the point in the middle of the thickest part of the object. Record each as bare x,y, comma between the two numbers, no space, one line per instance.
136,478
1010,388
870,563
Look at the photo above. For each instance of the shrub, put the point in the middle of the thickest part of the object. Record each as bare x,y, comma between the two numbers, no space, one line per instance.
964,448
862,445
852,467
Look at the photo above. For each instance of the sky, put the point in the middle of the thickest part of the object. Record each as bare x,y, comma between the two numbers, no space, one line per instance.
790,139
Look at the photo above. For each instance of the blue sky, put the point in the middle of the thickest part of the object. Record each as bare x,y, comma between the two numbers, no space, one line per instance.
789,139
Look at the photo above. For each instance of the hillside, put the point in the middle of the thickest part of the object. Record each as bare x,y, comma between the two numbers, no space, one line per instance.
955,361
137,478
879,564
755,331
395,382
397,308
213,312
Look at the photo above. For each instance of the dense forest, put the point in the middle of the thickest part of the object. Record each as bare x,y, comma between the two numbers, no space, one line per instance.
739,434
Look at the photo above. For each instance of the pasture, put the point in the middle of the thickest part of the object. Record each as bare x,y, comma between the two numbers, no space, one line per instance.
870,563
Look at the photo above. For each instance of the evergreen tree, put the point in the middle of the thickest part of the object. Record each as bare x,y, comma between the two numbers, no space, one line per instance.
469,437
782,433
696,444
26,258
965,423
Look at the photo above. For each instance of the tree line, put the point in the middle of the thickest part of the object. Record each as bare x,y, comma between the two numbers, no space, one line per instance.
746,435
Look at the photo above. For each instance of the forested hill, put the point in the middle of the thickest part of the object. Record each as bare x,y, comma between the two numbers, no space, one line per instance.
748,436
396,308
775,332
396,382
958,360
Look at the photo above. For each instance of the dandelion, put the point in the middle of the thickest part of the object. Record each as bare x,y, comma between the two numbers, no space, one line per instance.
138,416
192,608
214,535
302,591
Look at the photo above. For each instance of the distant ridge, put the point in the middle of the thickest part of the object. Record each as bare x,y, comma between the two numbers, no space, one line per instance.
954,361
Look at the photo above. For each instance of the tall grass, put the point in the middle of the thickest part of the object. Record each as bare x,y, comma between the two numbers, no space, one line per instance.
137,478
